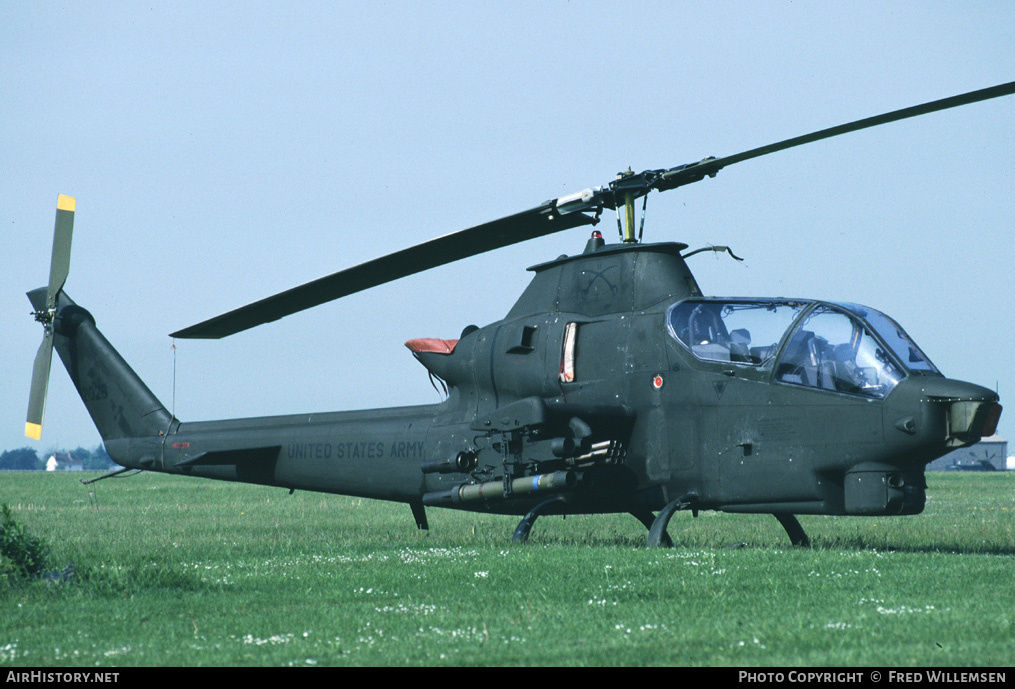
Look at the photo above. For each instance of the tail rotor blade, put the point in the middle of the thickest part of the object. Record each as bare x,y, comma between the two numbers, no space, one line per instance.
40,386
59,268
60,264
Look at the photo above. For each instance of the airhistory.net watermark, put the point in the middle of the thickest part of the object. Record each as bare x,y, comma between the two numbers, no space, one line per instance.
62,677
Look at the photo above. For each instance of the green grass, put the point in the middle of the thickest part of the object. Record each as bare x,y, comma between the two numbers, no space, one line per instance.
175,571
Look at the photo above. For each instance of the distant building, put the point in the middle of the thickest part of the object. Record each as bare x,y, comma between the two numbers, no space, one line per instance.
63,462
992,451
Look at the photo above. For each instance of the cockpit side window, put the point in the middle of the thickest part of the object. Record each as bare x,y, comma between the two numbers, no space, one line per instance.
833,351
738,331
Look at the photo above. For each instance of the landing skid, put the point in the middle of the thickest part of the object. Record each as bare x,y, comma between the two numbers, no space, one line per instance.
657,536
648,519
419,514
656,525
525,525
793,529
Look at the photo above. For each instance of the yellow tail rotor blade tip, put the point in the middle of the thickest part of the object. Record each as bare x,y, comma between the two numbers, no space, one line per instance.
66,203
34,430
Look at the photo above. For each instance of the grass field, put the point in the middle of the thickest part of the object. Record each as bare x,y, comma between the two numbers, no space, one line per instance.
187,572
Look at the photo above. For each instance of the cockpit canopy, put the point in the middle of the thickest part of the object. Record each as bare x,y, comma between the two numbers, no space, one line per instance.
838,347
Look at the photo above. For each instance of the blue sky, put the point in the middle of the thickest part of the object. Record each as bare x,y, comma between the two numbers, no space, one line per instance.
220,152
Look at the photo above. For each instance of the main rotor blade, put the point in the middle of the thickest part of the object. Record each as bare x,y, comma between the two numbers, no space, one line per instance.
537,222
686,174
553,216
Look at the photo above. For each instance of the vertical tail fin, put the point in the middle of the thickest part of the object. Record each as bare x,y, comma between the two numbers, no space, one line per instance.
120,404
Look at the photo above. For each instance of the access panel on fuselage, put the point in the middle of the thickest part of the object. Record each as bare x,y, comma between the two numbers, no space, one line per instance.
782,443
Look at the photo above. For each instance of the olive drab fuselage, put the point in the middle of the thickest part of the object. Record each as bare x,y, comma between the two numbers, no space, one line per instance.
584,393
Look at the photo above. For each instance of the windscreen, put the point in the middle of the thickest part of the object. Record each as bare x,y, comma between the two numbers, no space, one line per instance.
835,351
896,338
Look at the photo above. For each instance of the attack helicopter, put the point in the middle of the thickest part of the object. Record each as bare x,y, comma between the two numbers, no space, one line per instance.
612,385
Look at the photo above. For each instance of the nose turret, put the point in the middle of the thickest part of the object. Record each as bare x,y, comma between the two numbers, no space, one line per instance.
925,417
971,411
942,412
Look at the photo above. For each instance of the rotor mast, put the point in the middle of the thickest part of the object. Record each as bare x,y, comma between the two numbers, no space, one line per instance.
629,237
627,187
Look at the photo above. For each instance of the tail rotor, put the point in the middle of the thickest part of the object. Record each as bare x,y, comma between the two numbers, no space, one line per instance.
58,270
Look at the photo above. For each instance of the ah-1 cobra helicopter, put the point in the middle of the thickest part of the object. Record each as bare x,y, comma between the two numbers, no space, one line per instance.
612,385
